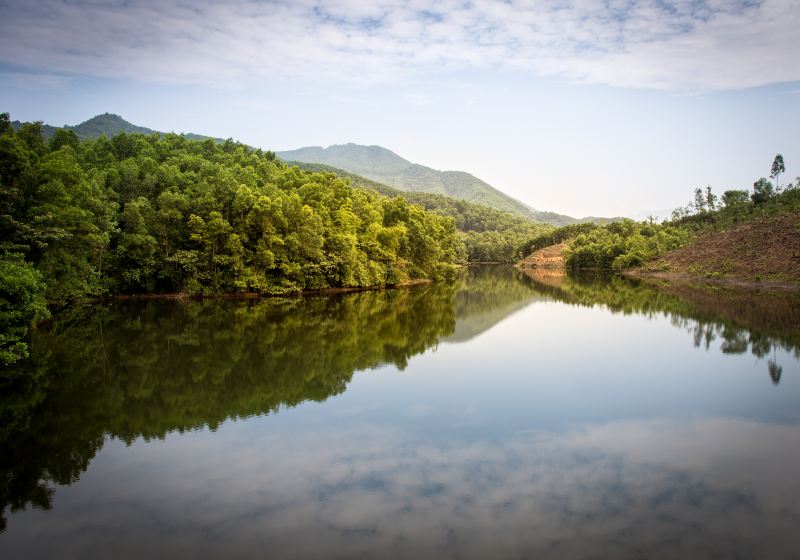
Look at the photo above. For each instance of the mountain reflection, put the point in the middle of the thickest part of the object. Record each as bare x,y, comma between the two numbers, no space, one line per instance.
144,369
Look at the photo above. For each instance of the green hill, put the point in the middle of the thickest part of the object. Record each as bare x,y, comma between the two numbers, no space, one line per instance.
457,208
361,163
489,234
380,164
107,124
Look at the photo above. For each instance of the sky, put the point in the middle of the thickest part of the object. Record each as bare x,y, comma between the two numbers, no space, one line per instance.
584,107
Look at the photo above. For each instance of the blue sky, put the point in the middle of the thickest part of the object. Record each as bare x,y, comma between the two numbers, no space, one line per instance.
583,107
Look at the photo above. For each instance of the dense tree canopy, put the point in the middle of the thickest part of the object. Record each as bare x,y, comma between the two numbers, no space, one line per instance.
138,213
623,244
161,213
486,234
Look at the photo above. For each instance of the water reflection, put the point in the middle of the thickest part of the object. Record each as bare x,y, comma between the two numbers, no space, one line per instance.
760,321
120,378
619,490
145,369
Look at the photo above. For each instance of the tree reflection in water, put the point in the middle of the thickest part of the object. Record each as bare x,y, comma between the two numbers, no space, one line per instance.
144,369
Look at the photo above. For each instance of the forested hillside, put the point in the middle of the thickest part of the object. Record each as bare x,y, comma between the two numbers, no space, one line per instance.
489,235
148,213
379,164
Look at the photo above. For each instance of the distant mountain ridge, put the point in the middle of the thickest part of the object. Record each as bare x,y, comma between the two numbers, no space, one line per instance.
108,124
383,165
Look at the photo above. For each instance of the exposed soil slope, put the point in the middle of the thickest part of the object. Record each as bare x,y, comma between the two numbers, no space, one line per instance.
764,250
548,257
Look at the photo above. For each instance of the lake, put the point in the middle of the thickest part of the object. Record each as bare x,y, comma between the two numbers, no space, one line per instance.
502,415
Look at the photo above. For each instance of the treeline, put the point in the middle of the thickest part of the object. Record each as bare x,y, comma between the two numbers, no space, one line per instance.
488,234
556,236
148,213
709,211
623,244
626,244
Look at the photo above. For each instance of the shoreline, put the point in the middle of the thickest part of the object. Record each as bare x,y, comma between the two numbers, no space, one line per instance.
260,295
729,282
677,278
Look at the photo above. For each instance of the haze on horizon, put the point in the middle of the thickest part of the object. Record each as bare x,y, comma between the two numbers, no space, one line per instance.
580,107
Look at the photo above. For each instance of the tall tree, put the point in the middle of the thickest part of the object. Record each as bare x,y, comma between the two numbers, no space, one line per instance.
699,201
711,199
777,169
5,124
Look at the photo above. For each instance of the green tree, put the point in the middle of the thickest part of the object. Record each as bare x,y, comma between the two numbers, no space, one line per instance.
711,199
136,248
5,124
32,135
699,201
63,137
777,168
762,191
734,198
22,303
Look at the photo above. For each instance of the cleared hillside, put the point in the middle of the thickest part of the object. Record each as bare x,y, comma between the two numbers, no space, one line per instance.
548,257
763,250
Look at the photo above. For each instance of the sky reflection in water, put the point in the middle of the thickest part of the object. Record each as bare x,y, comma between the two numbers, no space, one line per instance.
527,424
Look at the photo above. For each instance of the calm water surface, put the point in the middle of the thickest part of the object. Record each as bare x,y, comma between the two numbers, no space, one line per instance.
502,416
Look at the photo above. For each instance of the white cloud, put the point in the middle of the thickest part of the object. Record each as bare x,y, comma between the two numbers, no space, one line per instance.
658,488
34,81
678,45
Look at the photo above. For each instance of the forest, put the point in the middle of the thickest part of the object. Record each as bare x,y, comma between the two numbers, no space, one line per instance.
160,213
488,234
134,214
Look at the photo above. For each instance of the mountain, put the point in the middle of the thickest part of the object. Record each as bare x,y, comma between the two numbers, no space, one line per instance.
371,162
468,216
108,124
379,164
